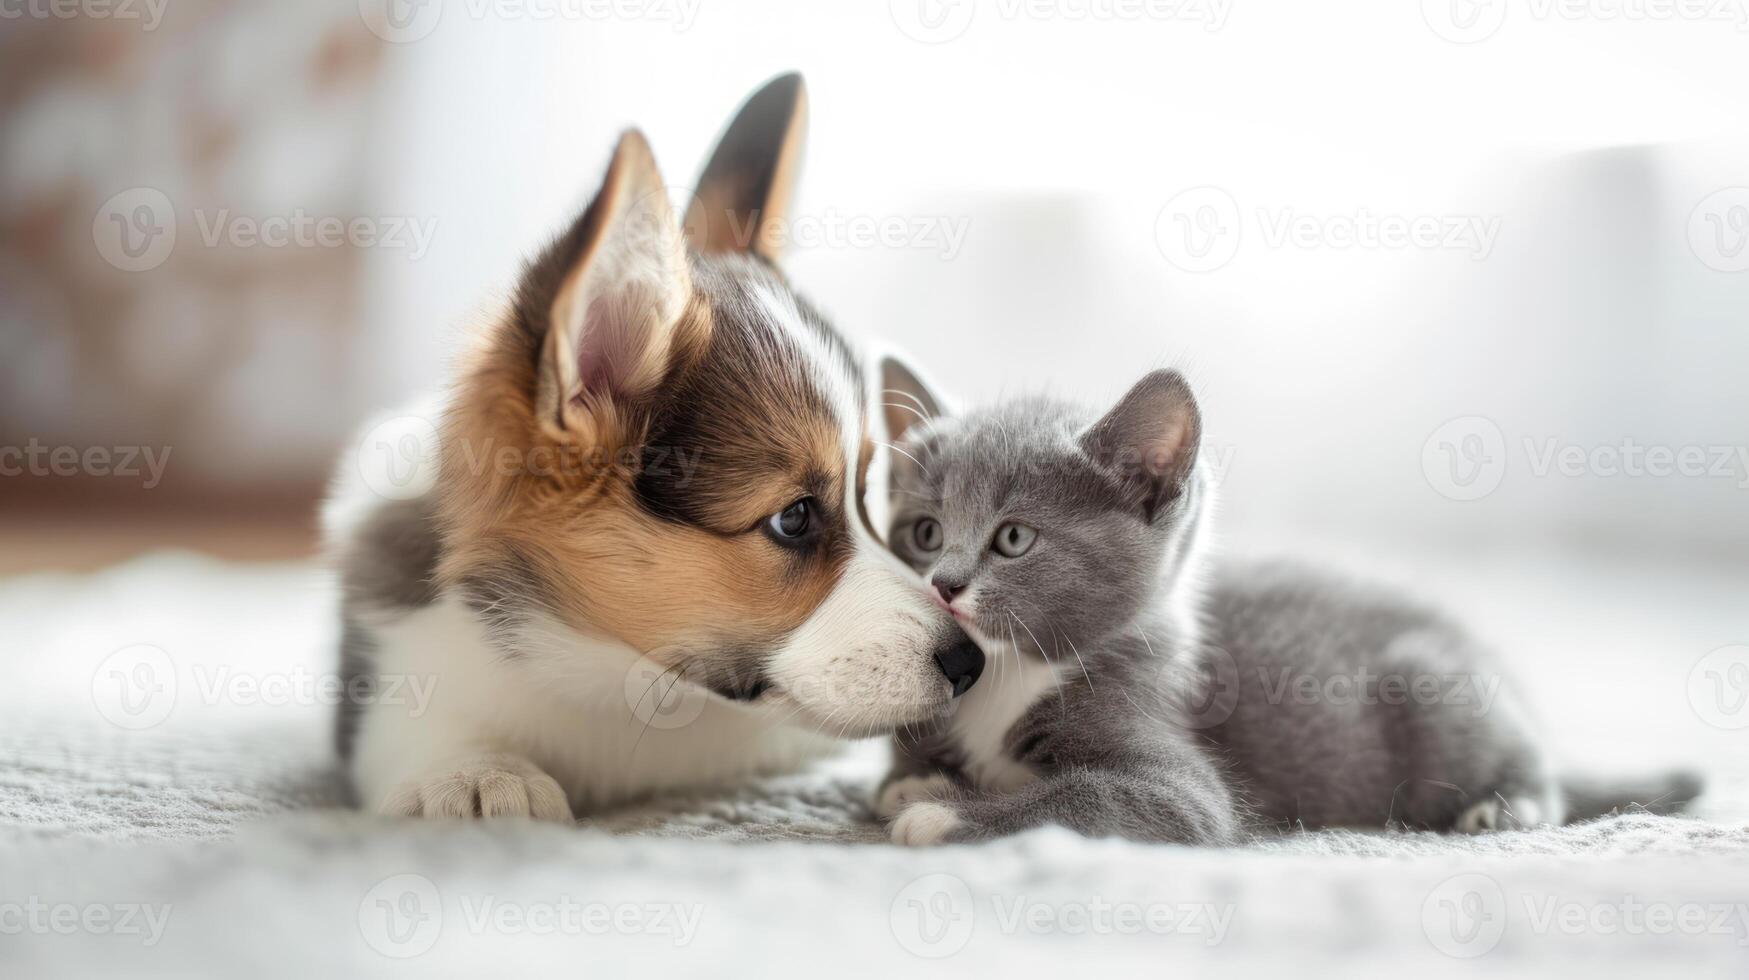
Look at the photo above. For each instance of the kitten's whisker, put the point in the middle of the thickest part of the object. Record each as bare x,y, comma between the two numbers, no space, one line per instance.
907,408
906,394
1059,650
908,456
1056,643
1062,703
1001,671
1083,663
1029,632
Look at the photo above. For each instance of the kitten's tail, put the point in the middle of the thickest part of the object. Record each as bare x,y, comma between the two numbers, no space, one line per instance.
1661,793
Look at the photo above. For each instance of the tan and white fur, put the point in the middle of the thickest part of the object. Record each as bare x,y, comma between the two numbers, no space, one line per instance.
602,588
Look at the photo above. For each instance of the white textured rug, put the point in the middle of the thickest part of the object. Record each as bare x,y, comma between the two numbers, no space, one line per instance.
171,809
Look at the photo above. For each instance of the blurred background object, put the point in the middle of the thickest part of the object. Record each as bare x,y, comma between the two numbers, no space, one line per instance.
137,322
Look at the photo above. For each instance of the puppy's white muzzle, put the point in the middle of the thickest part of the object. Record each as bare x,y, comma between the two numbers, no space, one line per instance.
875,655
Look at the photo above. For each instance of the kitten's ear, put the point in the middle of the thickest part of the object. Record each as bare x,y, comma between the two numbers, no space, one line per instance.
746,188
613,292
905,400
1150,440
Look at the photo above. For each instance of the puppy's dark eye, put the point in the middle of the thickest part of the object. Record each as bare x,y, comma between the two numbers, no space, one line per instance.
1013,540
793,521
926,534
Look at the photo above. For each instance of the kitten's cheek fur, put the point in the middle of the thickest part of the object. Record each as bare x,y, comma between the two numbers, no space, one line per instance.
864,662
926,823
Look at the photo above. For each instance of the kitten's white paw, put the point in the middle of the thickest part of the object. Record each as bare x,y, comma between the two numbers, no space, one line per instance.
910,789
1524,812
481,786
1480,818
924,823
1490,815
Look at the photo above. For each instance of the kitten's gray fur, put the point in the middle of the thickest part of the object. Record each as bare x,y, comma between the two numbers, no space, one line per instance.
1187,705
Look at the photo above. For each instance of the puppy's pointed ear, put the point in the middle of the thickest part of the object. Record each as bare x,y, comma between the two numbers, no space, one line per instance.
905,400
746,189
616,292
1150,440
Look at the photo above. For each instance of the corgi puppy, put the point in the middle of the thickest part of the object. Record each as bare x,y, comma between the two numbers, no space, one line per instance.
644,562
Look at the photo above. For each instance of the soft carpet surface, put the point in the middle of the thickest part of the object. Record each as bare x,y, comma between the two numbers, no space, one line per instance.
170,807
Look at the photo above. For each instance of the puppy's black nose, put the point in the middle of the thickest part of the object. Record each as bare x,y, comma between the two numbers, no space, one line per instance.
961,664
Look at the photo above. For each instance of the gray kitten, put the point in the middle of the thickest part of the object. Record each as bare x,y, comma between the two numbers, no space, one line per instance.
1134,691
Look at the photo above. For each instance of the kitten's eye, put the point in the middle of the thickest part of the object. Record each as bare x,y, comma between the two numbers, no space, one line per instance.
926,534
1012,540
792,521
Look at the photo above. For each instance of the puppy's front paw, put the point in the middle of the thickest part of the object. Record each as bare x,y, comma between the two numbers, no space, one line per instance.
482,786
911,789
924,823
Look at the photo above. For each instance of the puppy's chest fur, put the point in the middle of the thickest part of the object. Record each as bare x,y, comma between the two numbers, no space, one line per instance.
975,740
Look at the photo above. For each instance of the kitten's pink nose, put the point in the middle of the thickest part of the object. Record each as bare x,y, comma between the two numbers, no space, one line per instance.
947,588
